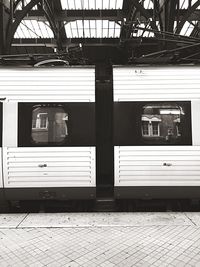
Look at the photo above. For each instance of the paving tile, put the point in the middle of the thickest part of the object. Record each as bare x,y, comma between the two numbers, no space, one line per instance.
104,219
157,240
11,220
194,217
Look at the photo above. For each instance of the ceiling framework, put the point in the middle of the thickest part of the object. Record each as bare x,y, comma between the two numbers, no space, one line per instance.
90,31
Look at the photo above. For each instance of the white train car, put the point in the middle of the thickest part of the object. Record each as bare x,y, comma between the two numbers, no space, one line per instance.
59,142
48,133
157,132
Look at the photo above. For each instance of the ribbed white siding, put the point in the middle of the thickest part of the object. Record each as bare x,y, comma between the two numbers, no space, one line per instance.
157,166
48,84
65,167
156,83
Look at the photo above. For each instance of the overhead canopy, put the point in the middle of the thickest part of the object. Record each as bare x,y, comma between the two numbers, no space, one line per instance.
130,30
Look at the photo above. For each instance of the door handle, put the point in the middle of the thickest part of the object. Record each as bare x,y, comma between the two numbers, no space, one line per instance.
42,165
167,164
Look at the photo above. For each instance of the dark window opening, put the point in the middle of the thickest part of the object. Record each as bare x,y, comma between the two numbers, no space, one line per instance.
56,124
152,123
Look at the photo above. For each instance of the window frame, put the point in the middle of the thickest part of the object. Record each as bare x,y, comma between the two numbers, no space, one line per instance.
81,129
128,129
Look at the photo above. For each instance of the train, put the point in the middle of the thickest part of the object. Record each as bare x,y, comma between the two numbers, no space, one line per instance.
75,133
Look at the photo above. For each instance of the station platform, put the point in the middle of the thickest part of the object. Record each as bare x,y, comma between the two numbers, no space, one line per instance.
100,239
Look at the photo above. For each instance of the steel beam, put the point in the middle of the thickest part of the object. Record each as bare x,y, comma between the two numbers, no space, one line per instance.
136,12
168,13
67,42
12,27
187,16
4,18
71,15
112,15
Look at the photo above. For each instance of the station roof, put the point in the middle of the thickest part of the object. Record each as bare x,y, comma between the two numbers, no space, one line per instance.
118,30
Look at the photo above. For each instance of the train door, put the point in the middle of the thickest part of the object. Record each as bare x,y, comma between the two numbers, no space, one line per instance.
156,148
49,135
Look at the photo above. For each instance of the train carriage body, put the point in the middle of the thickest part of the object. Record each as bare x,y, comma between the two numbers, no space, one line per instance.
157,132
48,133
66,134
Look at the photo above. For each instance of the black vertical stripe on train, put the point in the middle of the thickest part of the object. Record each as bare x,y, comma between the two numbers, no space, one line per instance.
1,124
104,129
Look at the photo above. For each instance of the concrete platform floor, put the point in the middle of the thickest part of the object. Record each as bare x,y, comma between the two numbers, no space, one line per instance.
100,239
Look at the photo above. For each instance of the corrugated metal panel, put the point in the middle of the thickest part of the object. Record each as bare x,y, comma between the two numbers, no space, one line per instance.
157,166
65,167
158,83
48,84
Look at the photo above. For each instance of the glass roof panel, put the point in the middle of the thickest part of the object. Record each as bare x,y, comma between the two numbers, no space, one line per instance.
92,4
148,4
187,28
92,29
143,32
33,29
19,7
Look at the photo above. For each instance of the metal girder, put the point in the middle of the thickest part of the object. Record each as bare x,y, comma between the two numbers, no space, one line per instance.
49,42
4,19
71,15
168,14
2,37
112,15
48,9
12,27
61,25
15,4
136,11
186,17
145,13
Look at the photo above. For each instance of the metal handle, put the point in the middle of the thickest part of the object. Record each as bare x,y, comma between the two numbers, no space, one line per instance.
167,164
42,165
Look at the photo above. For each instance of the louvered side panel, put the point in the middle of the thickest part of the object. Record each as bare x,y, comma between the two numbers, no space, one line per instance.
135,84
49,167
157,166
64,84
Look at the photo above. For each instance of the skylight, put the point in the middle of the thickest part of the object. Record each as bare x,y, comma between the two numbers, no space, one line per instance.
92,29
19,6
92,4
148,4
142,32
187,28
184,4
33,29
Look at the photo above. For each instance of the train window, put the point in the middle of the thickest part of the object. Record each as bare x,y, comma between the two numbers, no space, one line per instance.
56,124
152,123
162,123
49,125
